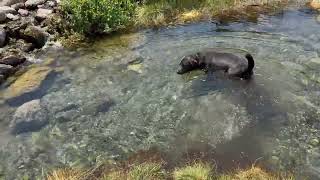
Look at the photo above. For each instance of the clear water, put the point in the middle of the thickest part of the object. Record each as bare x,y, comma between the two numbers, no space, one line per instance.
98,108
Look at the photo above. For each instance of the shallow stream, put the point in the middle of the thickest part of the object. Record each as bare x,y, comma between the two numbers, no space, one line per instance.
122,95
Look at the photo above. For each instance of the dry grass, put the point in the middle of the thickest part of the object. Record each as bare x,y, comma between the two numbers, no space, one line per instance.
66,174
155,171
196,171
254,173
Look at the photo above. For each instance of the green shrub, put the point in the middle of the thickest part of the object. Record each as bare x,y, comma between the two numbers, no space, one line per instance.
98,16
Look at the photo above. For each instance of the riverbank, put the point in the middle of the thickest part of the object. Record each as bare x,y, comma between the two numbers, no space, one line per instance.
77,128
28,26
156,171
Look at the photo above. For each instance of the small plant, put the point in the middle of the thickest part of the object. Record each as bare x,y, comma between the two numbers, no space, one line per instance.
98,16
147,171
197,171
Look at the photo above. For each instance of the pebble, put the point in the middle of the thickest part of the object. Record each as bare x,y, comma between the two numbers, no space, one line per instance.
314,142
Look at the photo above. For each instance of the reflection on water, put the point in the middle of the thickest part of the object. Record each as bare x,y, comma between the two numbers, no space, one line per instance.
122,95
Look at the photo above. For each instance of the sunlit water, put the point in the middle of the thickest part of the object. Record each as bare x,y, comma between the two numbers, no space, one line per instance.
101,108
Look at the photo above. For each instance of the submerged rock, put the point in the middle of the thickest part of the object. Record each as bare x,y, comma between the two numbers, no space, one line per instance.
28,86
28,117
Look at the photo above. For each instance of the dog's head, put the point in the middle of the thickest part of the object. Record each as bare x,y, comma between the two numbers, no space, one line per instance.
189,63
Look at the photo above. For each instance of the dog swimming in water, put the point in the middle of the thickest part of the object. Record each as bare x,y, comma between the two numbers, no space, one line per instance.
210,60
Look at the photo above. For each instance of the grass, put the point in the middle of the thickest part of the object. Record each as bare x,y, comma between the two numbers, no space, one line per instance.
156,171
95,17
196,171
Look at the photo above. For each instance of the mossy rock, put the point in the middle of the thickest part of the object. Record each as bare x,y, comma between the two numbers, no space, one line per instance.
28,86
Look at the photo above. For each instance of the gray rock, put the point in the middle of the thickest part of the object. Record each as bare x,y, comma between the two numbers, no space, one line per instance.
2,78
17,6
3,37
23,12
24,46
13,60
13,17
10,2
29,117
5,70
35,35
31,4
3,17
42,14
7,9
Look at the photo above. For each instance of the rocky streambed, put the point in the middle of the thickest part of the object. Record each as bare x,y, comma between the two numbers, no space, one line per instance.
121,95
25,27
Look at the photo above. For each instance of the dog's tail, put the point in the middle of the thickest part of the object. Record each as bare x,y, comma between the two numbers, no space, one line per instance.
250,62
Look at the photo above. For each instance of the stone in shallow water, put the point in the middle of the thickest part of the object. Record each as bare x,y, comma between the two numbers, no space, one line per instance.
31,85
136,67
28,117
13,60
314,142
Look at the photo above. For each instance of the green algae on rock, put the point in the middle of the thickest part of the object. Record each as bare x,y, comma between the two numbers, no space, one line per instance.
28,85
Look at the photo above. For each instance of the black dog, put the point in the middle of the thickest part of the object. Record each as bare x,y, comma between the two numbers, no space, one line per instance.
233,65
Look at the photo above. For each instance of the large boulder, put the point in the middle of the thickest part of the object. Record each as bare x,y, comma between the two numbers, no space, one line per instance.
3,37
35,35
29,117
32,4
7,10
31,85
13,60
10,2
42,14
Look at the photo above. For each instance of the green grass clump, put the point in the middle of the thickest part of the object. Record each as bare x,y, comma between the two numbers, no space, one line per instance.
147,171
197,171
98,16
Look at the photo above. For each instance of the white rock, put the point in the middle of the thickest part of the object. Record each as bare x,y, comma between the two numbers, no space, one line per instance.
43,14
23,12
13,17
